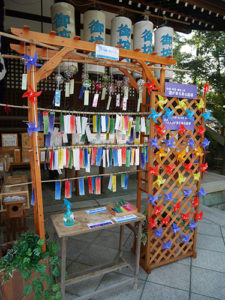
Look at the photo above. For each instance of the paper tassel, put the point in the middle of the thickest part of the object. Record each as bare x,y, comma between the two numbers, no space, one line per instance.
94,123
95,100
47,140
60,158
142,160
72,124
78,125
128,158
115,157
137,126
46,122
76,159
137,158
70,159
124,153
81,187
110,158
103,123
147,126
99,124
71,86
103,158
85,158
132,156
146,154
93,184
143,127
119,157
90,188
55,160
110,183
130,126
126,181
103,93
93,155
40,121
86,97
118,120
99,156
114,183
109,102
67,189
67,89
62,123
33,198
112,126
98,186
81,158
118,100
51,154
81,93
57,190
132,135
84,124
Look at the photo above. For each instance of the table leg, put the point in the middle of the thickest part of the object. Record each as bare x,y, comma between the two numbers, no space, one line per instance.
63,267
121,240
138,248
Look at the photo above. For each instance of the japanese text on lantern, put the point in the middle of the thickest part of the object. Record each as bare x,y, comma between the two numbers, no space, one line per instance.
61,20
147,37
124,31
97,28
166,40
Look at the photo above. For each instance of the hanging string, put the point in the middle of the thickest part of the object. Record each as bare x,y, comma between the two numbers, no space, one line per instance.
35,118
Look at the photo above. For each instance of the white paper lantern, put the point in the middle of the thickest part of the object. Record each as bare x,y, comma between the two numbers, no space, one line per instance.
121,35
142,38
164,46
94,30
63,23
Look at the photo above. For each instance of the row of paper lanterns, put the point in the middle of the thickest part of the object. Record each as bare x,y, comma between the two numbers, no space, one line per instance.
121,28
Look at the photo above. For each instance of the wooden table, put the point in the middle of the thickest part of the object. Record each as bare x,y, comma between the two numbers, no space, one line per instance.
80,227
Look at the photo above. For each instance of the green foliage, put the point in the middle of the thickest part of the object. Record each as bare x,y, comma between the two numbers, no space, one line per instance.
27,257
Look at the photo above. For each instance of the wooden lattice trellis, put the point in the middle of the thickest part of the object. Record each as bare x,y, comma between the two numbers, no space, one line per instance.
152,254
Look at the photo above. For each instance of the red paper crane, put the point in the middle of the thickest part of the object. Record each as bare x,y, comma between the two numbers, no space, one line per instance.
176,207
157,210
195,202
169,169
206,88
199,216
152,223
7,109
188,166
166,220
161,129
31,94
201,130
150,86
182,129
204,167
185,217
153,171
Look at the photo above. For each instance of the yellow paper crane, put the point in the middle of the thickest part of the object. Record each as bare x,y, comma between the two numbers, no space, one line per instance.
182,104
201,104
197,176
159,180
199,152
161,102
181,178
161,153
181,154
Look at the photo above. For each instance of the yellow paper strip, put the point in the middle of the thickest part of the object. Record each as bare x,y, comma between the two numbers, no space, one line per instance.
94,123
114,184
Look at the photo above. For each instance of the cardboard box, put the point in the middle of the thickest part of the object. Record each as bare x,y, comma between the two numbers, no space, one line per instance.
25,139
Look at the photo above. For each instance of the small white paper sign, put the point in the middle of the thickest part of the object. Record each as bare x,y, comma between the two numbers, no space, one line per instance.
125,218
96,210
107,52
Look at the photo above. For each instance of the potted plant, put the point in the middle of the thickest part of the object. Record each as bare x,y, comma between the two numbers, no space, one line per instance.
30,271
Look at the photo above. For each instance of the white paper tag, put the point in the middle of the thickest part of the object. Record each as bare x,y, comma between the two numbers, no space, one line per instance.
57,97
110,183
143,127
118,100
118,120
76,158
95,100
120,157
96,210
139,101
88,168
103,121
86,97
126,92
137,157
24,82
124,104
67,89
103,159
71,86
78,125
84,124
88,133
103,93
64,158
65,138
109,101
56,155
107,157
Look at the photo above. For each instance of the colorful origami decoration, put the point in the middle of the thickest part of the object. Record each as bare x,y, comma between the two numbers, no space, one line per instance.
207,116
168,113
193,225
176,207
182,104
201,130
154,143
159,180
158,233
201,192
181,178
152,199
161,101
169,143
150,86
154,115
31,94
169,169
175,228
195,202
180,155
205,143
191,143
199,152
197,176
185,238
199,216
31,128
188,166
185,217
206,88
167,245
161,153
201,104
182,129
190,113
161,129
166,220
157,210
187,193
204,167
31,61
7,109
153,171
168,196
152,223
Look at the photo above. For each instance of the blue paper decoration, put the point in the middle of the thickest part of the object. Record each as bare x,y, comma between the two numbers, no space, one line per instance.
205,143
193,225
152,199
168,196
185,238
190,113
154,115
191,143
201,192
31,61
31,128
168,113
175,228
158,233
167,245
207,116
169,143
154,143
187,193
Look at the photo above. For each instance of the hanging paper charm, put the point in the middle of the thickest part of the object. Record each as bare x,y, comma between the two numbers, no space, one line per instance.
31,61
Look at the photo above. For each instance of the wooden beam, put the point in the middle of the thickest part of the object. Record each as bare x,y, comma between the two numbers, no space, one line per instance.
133,82
149,74
218,7
87,46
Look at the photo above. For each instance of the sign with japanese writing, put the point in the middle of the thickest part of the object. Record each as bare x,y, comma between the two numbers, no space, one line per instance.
174,122
173,89
107,52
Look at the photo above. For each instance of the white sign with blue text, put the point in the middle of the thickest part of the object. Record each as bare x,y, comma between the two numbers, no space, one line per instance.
107,52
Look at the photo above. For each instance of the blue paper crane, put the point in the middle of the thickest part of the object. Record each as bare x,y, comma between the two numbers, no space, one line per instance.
154,143
185,239
201,192
170,143
154,115
207,116
168,113
193,225
31,61
190,113
168,196
191,143
167,245
175,228
205,143
152,199
158,233
31,128
187,193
